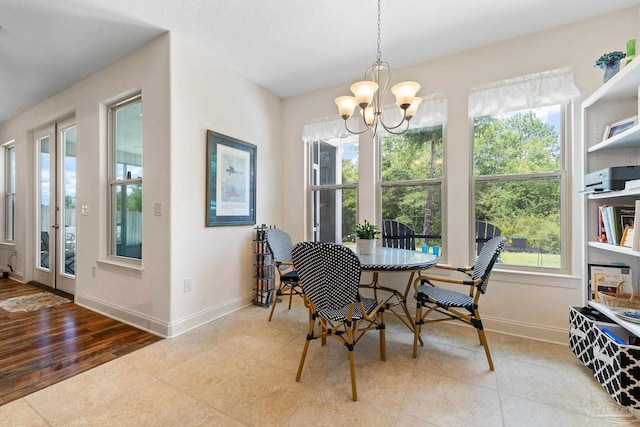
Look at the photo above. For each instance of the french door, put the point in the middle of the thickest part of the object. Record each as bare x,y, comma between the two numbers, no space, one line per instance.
55,206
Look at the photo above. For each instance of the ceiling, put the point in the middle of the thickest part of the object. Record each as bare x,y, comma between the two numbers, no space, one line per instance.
287,46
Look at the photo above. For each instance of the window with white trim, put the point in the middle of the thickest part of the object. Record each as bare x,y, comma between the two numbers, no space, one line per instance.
334,189
520,166
9,191
411,171
125,178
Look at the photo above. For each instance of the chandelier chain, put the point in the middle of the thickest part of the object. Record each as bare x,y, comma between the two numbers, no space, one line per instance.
379,42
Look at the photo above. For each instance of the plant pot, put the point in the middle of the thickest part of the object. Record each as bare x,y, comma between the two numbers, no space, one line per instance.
611,70
366,246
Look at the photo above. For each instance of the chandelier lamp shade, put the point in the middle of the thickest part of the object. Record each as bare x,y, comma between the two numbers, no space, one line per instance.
369,93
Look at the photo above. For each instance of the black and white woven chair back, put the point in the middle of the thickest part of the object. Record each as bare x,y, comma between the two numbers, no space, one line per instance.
280,244
329,273
485,261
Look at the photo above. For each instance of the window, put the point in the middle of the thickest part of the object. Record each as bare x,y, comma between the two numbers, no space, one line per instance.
519,165
125,178
334,189
411,182
9,191
519,182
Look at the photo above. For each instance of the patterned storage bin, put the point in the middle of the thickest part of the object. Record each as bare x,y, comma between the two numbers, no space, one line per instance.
582,332
617,368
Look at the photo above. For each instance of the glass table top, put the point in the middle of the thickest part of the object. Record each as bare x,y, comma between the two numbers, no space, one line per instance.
393,259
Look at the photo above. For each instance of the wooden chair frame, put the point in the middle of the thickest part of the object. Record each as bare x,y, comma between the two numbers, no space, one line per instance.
471,316
330,278
347,332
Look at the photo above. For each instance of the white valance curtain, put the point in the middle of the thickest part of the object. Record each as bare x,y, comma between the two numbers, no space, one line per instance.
530,91
432,111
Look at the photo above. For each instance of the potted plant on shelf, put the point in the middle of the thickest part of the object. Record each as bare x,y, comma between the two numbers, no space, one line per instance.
610,62
366,234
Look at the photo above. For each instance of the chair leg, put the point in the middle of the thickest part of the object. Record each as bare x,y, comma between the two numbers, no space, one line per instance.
383,338
312,325
416,328
290,294
483,339
352,363
275,300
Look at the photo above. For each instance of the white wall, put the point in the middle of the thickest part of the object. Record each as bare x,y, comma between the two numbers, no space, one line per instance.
142,301
528,304
206,95
184,94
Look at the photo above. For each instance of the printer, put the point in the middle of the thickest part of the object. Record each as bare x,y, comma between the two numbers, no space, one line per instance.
610,179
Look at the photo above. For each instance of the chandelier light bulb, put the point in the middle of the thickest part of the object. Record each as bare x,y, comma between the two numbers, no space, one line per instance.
346,105
405,93
369,115
413,108
364,91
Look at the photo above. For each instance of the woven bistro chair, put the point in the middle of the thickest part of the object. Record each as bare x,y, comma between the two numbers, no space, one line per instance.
281,245
453,304
330,278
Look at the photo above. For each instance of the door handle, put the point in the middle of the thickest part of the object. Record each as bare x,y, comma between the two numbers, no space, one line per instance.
55,226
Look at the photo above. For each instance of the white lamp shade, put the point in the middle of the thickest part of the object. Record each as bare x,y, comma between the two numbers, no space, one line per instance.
364,91
346,105
413,108
405,93
369,115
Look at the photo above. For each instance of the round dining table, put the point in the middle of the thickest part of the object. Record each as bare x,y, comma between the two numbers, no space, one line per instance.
385,259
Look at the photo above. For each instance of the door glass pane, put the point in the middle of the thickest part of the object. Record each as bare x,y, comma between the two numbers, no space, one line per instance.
69,201
44,201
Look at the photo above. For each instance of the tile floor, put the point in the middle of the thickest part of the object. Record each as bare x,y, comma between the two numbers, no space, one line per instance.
240,371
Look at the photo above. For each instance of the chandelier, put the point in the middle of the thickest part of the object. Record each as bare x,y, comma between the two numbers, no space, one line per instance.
369,94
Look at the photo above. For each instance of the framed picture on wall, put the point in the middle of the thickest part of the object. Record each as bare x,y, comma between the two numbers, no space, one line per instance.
231,181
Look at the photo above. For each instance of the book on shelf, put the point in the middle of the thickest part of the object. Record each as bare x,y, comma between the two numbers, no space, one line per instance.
613,220
635,241
609,278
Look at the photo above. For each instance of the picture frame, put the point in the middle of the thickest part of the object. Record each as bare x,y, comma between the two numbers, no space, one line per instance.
607,278
231,181
618,127
627,237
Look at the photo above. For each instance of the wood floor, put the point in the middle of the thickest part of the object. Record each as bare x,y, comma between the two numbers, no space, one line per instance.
42,347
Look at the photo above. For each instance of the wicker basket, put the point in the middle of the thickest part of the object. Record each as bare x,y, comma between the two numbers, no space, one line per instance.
619,300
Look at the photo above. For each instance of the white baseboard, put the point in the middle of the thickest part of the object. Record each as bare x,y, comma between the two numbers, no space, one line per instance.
520,329
205,316
139,320
156,326
527,330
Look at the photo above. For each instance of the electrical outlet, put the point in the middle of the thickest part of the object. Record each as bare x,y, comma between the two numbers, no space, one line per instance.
188,284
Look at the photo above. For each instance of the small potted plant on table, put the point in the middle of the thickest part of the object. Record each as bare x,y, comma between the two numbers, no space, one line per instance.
366,234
